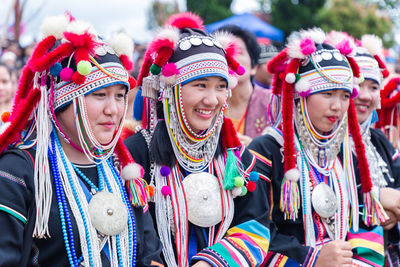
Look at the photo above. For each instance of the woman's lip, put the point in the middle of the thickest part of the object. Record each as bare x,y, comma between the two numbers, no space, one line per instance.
332,118
362,108
204,116
108,125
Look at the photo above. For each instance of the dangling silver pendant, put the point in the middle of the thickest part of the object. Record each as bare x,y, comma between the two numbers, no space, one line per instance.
108,213
203,199
324,200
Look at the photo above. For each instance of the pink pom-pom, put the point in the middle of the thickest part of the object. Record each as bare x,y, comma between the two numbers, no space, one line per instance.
169,70
132,82
290,78
344,47
66,74
166,190
354,94
305,93
307,46
165,171
241,70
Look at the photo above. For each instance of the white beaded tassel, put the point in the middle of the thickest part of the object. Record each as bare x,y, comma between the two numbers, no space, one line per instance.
43,188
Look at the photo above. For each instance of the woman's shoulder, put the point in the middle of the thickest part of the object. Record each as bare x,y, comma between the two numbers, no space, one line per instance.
271,140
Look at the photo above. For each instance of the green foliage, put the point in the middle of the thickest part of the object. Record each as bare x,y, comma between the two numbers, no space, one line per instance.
159,12
357,19
210,10
292,15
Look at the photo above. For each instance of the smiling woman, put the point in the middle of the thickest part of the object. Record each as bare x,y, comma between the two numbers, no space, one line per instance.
205,195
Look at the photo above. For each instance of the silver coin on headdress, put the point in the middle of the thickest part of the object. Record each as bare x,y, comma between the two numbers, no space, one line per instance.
324,200
108,213
203,198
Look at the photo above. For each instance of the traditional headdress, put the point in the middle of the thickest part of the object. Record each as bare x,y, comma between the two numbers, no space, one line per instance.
389,119
181,52
69,63
306,66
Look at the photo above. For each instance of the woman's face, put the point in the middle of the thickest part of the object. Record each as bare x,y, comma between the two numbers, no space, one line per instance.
6,86
244,59
202,100
104,109
326,108
367,99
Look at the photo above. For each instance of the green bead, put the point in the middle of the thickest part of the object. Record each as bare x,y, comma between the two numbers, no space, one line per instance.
297,77
239,181
84,67
155,70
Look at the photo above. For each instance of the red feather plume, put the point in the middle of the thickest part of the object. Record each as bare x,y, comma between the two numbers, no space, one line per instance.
228,135
185,20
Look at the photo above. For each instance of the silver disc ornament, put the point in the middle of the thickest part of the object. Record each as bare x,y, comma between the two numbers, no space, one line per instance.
203,199
324,200
108,213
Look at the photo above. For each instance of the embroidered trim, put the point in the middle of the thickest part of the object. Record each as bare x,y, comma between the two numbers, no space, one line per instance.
14,213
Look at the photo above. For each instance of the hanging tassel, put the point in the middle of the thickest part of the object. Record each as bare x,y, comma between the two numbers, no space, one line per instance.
138,192
290,195
150,87
374,213
231,170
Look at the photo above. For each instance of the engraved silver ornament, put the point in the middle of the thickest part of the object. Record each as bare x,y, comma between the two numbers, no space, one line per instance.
108,213
203,198
324,200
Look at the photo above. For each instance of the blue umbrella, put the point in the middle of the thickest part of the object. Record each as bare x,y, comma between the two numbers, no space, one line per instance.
252,23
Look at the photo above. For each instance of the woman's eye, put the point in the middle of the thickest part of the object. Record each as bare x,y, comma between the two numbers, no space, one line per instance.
99,94
201,85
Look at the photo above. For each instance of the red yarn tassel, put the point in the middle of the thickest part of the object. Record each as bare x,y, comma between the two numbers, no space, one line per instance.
354,66
163,56
145,69
24,85
41,60
228,135
277,64
185,20
363,166
382,65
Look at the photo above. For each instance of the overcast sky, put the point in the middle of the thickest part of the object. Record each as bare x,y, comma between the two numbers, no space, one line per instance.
106,16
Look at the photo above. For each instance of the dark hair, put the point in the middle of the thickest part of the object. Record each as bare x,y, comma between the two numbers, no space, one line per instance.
248,38
161,151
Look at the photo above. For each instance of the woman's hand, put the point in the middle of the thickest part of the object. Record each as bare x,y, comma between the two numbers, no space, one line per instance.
391,222
335,253
390,200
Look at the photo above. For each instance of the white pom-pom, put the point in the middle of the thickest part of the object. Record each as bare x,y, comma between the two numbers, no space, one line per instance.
292,175
55,25
122,44
80,27
290,78
372,43
132,171
232,81
294,50
168,32
237,191
316,34
4,127
224,38
302,85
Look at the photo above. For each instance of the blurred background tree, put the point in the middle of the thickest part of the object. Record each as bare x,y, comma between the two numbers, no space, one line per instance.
159,12
210,10
357,18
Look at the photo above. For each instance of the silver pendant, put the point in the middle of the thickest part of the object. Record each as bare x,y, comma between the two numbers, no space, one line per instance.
324,200
203,199
108,213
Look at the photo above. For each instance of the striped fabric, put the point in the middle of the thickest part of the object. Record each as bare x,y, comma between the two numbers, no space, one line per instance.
368,246
244,245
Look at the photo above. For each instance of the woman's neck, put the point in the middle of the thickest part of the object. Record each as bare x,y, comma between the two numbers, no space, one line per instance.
237,104
73,155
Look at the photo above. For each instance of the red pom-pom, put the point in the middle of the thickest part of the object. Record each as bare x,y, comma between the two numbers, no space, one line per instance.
66,74
5,116
132,82
185,20
166,190
78,78
251,186
126,62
